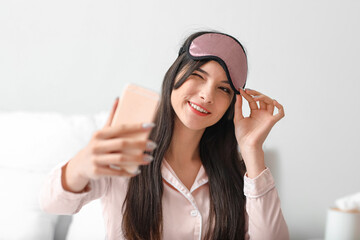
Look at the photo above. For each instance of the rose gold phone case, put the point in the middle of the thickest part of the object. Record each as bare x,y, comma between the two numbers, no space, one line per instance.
136,105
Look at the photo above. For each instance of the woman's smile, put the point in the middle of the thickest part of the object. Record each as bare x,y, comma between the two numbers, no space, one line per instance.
199,110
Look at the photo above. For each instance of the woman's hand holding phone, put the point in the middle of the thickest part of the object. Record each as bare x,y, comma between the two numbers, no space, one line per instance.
107,153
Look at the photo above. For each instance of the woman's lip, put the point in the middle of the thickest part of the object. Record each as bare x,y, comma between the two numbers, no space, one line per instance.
200,106
197,112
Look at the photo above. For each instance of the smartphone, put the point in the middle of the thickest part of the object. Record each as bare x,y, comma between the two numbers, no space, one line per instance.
137,105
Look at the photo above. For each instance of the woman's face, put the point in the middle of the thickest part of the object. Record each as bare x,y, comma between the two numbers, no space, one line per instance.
203,98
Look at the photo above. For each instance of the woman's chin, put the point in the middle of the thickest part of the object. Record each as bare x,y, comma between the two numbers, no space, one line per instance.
196,125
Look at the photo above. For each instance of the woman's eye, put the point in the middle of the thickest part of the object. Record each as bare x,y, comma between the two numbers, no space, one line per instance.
227,90
197,75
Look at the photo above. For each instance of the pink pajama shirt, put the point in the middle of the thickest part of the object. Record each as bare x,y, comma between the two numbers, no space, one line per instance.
185,213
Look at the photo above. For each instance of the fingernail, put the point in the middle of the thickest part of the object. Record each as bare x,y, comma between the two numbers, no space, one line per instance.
148,125
150,145
148,158
115,167
248,89
137,172
117,98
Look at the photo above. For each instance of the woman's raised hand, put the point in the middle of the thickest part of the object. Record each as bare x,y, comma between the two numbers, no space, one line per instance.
252,131
108,146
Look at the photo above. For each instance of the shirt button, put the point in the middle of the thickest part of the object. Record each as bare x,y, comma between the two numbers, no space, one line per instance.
194,213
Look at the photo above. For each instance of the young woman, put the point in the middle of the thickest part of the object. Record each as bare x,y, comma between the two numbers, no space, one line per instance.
195,185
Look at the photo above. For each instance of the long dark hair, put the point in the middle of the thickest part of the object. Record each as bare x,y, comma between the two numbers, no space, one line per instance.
142,208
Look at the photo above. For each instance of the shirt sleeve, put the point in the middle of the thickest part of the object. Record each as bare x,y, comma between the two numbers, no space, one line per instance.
55,199
264,217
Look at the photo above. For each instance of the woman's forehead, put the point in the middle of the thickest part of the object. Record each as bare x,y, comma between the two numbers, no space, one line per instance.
210,69
213,69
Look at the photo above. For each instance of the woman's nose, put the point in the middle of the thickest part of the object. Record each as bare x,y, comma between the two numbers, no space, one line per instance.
207,95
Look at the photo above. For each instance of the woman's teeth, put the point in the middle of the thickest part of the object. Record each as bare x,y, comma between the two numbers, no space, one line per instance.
197,108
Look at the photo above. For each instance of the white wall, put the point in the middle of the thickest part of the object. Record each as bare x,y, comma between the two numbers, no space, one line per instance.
75,56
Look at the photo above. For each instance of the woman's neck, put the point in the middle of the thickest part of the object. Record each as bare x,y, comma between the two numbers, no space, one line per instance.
184,146
183,154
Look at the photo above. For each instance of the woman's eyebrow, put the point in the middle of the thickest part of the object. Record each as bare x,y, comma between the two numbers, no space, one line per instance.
225,81
202,71
207,74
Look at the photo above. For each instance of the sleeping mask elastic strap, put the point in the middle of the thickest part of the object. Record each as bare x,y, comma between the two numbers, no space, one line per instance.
224,49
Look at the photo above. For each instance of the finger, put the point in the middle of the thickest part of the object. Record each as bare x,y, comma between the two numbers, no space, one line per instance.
116,131
263,105
264,98
238,114
270,108
266,103
252,104
107,171
131,169
121,159
123,145
112,113
281,112
259,96
252,92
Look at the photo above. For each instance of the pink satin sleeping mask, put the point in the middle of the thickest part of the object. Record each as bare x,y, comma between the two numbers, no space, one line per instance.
224,49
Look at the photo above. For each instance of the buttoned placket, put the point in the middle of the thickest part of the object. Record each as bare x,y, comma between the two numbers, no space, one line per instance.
174,181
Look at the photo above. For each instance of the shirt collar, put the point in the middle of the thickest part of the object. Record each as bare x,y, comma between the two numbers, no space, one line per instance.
170,176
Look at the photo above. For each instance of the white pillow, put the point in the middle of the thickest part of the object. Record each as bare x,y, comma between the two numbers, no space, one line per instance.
31,145
21,217
39,141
